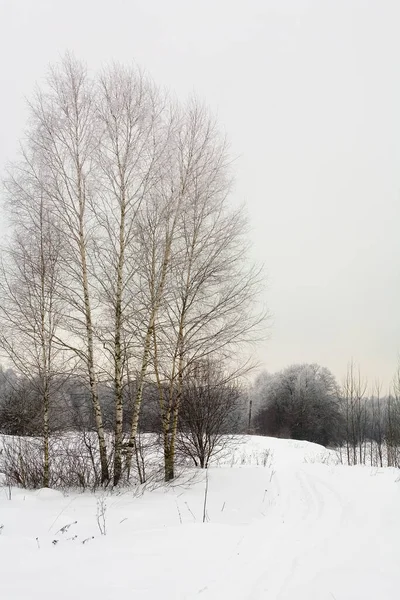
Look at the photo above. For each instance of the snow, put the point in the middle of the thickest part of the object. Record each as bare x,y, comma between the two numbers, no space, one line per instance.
284,521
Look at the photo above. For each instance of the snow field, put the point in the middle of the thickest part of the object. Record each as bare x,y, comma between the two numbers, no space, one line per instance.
283,521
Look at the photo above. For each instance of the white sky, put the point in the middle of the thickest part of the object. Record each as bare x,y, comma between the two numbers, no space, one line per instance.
308,92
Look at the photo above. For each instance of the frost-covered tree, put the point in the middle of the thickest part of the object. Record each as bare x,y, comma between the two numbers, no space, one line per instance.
300,402
140,249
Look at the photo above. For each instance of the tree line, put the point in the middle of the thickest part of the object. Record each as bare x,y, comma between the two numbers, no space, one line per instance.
305,402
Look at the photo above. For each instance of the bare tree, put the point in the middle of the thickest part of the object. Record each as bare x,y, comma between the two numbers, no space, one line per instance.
157,229
355,410
63,133
393,424
30,307
130,111
209,412
211,287
377,427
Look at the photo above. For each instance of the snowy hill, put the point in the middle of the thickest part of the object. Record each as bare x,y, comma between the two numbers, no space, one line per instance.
282,519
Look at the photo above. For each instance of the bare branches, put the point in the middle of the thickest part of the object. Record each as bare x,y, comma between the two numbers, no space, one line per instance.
209,412
210,291
31,277
147,266
63,139
354,390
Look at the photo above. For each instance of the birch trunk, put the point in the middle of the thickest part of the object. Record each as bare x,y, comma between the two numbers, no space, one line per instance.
118,371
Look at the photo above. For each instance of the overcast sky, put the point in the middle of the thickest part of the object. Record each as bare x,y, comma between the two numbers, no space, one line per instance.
308,92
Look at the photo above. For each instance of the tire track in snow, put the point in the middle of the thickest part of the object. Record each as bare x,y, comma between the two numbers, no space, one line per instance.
304,511
320,522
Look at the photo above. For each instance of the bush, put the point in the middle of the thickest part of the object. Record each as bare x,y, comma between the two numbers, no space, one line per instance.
74,462
209,412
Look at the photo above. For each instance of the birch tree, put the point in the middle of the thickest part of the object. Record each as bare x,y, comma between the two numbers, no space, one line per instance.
133,133
157,229
30,307
64,133
212,287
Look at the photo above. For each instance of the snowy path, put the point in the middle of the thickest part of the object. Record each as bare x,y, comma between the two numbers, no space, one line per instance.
319,541
295,530
303,514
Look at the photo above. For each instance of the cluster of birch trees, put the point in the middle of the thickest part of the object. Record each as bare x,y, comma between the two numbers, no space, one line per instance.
126,262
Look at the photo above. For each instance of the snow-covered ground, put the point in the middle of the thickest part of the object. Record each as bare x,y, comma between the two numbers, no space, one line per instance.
289,524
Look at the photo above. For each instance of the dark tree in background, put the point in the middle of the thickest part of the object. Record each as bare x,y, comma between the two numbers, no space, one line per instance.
300,402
